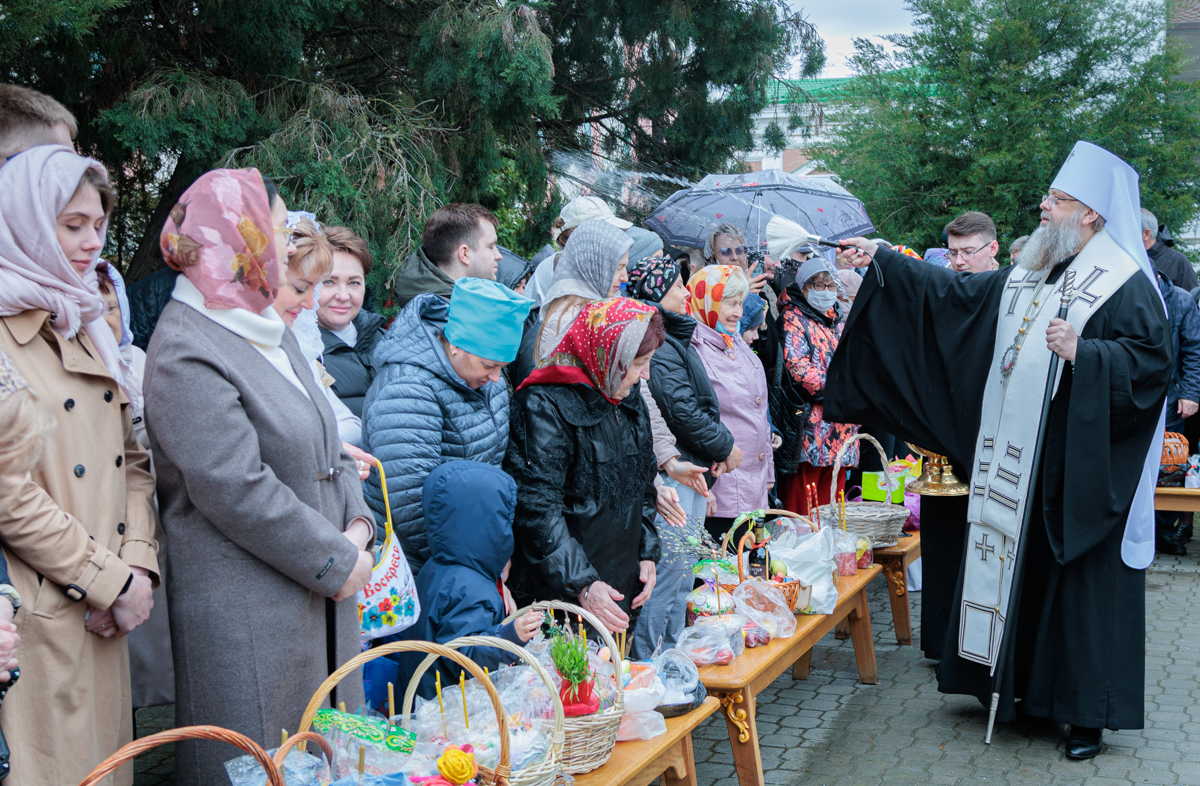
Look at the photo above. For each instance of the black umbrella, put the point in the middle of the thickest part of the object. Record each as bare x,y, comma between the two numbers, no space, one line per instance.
749,201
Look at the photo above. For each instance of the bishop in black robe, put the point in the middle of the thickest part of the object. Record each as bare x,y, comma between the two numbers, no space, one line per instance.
915,357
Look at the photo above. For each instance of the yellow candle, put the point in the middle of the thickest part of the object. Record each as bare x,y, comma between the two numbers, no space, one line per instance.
438,679
362,763
391,700
462,685
284,741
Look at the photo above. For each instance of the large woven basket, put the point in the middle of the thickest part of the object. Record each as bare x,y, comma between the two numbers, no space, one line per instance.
882,522
128,753
544,773
498,776
588,740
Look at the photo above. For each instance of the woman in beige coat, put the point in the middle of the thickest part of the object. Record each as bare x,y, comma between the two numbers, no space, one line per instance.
79,537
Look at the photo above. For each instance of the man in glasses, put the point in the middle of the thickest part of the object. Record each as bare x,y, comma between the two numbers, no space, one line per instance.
971,239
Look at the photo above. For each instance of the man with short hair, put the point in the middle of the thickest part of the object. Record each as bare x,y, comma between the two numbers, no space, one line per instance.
459,241
29,118
1170,262
971,239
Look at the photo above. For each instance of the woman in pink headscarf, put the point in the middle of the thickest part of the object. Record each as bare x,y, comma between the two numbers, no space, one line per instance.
78,530
267,530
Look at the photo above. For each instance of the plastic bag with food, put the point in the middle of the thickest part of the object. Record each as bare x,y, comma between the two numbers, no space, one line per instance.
764,604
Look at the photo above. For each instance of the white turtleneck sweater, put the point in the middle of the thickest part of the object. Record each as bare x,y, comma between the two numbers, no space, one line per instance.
264,331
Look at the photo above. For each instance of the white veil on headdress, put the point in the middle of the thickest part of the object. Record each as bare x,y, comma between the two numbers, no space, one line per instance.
1108,185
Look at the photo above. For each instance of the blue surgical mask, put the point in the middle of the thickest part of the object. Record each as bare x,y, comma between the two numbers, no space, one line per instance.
821,299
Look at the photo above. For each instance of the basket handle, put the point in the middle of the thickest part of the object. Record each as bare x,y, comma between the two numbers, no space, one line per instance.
298,739
128,753
503,644
351,666
594,621
837,463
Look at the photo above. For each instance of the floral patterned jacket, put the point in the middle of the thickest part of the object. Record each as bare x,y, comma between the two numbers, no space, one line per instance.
809,341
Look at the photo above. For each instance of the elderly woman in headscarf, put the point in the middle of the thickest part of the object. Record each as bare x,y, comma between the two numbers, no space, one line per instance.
685,396
812,321
593,266
581,455
717,293
77,530
267,530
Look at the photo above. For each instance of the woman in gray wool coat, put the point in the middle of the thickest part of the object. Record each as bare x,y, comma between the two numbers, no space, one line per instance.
265,522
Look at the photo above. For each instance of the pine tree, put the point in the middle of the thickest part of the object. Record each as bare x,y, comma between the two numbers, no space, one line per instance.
980,105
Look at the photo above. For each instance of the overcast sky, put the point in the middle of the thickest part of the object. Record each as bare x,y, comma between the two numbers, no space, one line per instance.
839,22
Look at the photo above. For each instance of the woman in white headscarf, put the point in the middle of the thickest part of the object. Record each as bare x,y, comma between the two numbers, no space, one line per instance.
80,539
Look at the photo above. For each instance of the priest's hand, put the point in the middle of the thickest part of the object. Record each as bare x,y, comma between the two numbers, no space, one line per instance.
1061,339
1187,408
860,254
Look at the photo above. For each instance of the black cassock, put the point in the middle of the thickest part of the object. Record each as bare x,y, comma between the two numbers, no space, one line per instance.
915,358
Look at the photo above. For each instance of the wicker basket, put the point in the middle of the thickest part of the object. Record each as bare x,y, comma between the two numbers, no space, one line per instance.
302,738
136,748
498,776
545,773
588,740
882,522
792,590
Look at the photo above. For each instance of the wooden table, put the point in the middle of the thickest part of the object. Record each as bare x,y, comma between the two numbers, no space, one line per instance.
737,684
895,561
1177,498
669,755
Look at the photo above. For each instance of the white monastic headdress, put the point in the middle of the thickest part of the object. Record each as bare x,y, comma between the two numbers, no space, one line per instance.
1108,185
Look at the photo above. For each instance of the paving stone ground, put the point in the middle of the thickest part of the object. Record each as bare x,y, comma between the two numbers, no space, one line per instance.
830,730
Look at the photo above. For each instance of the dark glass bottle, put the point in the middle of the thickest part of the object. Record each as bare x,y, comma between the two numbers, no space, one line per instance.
760,556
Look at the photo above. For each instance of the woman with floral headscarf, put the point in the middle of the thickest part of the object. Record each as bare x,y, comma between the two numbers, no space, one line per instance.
79,538
737,376
265,519
812,321
581,454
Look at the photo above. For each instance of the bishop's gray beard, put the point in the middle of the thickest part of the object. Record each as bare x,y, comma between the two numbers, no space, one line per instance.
1052,243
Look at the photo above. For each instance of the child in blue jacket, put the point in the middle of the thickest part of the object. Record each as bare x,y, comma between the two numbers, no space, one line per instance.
468,520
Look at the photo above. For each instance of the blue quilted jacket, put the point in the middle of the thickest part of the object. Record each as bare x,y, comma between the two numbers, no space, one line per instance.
419,413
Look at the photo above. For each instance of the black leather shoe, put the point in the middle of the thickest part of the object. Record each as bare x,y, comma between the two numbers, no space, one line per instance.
1083,743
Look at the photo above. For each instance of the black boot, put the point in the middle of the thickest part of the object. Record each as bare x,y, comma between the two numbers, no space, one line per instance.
1083,743
1171,540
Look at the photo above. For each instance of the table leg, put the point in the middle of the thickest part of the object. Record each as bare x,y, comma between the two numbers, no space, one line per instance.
682,773
897,577
743,736
864,642
842,631
802,666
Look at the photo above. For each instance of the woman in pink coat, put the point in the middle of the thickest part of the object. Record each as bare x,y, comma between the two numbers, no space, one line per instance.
737,376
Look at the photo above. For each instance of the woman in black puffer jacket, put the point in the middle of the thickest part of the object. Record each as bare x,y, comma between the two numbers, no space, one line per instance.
582,455
680,386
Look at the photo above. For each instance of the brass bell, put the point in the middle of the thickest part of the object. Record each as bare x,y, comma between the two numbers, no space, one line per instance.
937,476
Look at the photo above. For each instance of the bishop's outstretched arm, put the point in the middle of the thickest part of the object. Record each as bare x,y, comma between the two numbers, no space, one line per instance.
915,354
